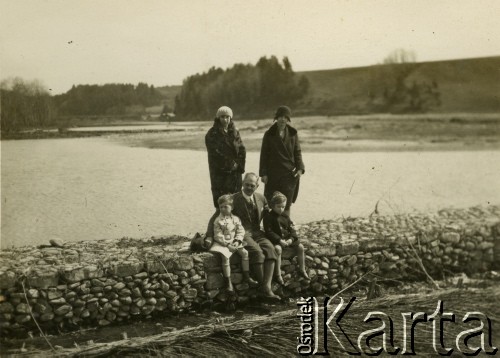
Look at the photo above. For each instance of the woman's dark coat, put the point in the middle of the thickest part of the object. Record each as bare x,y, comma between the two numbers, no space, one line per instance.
224,150
280,158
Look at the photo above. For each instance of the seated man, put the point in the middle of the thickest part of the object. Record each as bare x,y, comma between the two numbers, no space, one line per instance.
250,206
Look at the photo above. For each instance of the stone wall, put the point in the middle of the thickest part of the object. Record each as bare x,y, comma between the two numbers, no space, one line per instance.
101,282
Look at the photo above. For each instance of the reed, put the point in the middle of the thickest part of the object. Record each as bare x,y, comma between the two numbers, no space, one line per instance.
277,334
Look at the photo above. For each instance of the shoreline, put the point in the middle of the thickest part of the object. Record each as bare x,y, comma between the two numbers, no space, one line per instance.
432,132
151,139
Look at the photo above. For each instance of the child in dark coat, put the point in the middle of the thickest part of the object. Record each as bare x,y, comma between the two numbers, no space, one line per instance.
281,232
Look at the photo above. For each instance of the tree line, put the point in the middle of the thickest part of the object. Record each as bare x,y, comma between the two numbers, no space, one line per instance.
29,105
252,89
25,105
108,99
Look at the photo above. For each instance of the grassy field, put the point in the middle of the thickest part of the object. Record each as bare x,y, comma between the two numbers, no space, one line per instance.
350,133
466,85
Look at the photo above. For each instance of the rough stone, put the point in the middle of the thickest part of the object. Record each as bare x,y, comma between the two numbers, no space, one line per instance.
189,294
347,248
51,251
450,237
127,268
53,293
76,273
23,308
485,245
141,275
58,301
23,318
49,316
214,281
351,261
43,277
7,279
64,309
184,263
6,307
56,242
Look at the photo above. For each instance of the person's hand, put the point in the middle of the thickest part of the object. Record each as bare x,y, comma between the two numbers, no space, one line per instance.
299,173
283,243
232,247
289,242
264,179
235,166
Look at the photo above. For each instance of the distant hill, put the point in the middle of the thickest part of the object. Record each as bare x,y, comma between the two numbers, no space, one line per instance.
467,85
169,93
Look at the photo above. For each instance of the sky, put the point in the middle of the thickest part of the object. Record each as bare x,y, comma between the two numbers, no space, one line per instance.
70,42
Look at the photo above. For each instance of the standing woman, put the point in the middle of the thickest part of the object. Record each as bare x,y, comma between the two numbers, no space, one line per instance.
226,155
281,164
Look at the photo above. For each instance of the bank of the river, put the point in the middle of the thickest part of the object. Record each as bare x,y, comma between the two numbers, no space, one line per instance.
463,131
425,132
81,133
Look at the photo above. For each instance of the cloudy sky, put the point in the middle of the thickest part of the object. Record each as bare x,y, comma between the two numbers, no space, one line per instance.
66,42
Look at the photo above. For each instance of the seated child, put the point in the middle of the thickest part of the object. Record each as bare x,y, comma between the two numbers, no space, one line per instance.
228,238
280,231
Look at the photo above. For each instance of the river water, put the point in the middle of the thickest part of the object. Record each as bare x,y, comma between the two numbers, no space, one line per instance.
95,188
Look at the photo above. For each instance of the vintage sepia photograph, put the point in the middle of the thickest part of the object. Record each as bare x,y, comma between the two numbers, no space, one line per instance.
249,178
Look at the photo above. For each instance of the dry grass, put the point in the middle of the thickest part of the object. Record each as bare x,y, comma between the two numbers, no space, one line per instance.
277,334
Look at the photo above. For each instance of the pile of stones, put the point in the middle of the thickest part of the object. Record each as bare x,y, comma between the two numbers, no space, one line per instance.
96,283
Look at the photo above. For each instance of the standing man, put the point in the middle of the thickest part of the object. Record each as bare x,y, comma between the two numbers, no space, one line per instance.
281,164
250,207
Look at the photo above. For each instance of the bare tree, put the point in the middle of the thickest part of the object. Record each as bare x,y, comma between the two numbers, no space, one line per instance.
24,104
395,86
400,55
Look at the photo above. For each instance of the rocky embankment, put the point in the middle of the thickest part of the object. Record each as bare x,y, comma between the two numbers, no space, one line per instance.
94,283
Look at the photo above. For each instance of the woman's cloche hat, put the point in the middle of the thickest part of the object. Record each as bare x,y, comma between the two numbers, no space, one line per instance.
283,111
224,111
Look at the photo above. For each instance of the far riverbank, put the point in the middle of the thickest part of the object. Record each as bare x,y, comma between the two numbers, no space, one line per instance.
385,132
